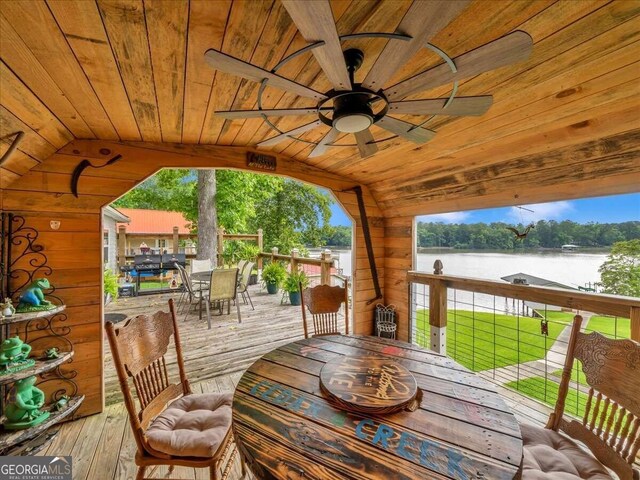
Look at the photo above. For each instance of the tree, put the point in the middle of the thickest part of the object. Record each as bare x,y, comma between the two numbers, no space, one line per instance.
207,216
620,273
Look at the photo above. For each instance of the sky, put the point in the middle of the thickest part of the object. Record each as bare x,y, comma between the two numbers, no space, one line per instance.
612,209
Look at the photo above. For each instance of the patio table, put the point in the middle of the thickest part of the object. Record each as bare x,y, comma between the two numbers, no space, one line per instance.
287,426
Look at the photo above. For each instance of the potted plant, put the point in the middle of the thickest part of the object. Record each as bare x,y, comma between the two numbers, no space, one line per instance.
110,286
273,276
292,285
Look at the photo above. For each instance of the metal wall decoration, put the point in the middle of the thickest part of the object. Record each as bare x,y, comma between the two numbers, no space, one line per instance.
22,260
261,161
75,176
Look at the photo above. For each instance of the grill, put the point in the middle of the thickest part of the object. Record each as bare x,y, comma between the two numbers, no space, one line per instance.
155,265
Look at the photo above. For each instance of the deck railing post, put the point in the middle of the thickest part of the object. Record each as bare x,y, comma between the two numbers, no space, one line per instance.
176,240
634,315
438,312
325,267
260,245
274,252
294,260
122,246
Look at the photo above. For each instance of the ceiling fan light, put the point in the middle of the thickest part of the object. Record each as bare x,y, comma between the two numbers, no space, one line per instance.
352,123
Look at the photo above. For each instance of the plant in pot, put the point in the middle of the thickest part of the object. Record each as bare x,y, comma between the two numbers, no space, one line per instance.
273,276
292,285
110,285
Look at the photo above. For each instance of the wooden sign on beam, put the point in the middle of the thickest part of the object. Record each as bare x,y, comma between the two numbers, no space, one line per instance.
261,161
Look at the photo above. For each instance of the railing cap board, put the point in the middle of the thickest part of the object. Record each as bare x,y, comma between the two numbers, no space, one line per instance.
300,260
619,306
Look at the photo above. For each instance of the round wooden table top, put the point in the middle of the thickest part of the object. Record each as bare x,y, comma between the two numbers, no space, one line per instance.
286,427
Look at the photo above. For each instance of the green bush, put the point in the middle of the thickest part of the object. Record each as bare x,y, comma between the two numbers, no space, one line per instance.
110,283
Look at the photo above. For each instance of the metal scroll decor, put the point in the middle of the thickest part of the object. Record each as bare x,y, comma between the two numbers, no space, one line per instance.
22,260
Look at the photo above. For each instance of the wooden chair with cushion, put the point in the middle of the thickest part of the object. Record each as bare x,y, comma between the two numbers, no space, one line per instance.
324,303
610,427
194,429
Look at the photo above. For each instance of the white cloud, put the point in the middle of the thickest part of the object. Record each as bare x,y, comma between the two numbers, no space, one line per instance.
452,217
541,211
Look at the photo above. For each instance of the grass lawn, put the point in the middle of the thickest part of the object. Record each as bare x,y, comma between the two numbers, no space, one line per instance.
152,284
547,392
614,327
482,341
563,317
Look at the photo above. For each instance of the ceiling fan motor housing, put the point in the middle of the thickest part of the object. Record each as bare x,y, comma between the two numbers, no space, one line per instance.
352,112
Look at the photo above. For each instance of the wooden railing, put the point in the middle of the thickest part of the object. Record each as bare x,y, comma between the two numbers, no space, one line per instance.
325,262
439,284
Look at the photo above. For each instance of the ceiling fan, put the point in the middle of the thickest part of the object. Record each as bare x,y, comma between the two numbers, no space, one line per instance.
352,107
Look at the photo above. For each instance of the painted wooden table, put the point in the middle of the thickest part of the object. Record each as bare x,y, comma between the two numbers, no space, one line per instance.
287,427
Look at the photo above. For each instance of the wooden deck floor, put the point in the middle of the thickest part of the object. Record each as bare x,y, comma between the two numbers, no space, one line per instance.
228,347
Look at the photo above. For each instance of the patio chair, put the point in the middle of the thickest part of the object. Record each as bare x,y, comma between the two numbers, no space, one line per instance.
323,303
192,294
223,288
241,265
610,425
243,283
194,430
201,265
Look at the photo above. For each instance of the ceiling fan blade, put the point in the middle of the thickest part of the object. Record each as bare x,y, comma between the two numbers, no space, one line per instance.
509,49
287,135
365,143
233,114
322,146
406,130
315,22
423,21
225,63
460,106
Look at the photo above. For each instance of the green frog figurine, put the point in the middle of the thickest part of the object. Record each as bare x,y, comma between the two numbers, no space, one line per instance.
24,411
14,355
32,298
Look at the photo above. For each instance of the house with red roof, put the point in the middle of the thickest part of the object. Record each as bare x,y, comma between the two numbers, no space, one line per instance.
154,231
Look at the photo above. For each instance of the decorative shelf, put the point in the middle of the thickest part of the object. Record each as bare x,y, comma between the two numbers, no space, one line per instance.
41,366
10,438
23,317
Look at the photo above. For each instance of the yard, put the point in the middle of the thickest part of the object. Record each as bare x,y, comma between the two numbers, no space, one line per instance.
484,341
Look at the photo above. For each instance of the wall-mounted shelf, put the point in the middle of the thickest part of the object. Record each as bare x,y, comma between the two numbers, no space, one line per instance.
11,438
41,366
25,317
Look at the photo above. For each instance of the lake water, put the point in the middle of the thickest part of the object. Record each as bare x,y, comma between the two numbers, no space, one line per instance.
573,269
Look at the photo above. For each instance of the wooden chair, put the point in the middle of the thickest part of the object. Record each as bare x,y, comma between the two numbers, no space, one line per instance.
324,303
223,288
610,427
194,429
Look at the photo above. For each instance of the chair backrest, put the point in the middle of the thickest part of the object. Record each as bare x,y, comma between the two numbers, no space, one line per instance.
201,265
186,280
139,347
241,265
245,275
323,303
224,284
610,426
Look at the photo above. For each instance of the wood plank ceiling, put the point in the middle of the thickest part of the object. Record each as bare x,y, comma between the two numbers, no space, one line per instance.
135,70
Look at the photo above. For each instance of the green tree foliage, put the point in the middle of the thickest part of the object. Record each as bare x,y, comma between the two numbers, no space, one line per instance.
546,234
339,236
620,273
289,212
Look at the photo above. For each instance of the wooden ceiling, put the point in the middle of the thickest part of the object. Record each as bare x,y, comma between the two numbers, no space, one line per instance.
564,124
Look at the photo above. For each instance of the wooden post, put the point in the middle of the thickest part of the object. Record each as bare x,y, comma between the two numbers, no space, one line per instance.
325,268
176,240
260,246
634,315
220,244
274,252
122,245
438,312
294,262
